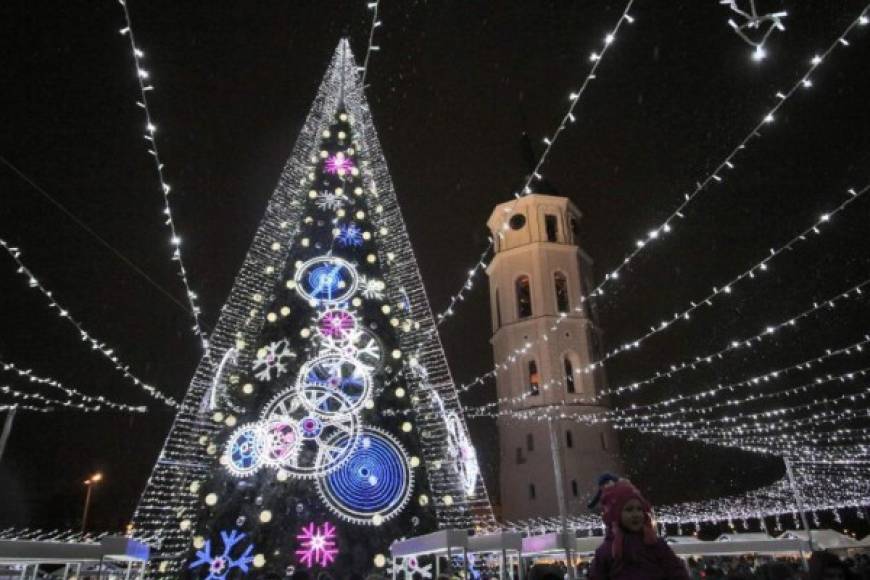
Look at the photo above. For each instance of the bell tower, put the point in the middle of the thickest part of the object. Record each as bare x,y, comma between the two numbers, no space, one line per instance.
537,276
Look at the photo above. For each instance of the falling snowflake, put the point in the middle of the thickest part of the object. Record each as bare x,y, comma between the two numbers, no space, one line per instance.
350,235
317,545
338,164
331,200
372,288
220,565
272,358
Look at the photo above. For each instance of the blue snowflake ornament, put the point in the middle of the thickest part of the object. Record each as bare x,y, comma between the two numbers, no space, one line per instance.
220,565
350,235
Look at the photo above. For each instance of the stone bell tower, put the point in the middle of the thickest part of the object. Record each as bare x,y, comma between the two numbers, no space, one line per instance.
536,277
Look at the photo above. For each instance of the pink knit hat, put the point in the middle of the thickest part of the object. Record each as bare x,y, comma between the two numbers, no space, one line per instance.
613,500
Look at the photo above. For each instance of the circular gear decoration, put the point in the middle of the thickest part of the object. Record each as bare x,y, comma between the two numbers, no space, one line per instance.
280,440
244,450
316,431
333,374
326,280
337,324
373,485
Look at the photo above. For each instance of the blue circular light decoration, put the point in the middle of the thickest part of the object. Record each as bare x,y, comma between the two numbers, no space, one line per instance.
244,451
326,280
373,485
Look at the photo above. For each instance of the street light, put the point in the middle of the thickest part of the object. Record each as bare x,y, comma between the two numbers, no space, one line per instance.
89,483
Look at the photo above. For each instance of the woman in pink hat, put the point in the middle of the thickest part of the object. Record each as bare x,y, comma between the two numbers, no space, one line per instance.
631,549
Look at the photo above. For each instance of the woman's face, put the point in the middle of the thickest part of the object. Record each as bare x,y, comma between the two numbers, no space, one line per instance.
632,515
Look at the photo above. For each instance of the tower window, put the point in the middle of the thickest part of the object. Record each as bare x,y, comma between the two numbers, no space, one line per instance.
560,283
531,491
569,376
603,440
520,458
524,297
497,310
517,221
530,442
574,490
534,379
569,439
552,226
575,230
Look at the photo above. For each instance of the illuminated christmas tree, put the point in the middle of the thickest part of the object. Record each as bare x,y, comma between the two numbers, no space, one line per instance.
324,422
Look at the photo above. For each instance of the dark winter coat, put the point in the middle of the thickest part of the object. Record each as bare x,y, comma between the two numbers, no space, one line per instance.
639,561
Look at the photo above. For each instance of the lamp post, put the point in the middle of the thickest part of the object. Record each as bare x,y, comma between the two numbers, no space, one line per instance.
89,483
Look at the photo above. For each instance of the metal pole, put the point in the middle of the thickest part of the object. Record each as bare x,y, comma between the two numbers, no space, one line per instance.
7,430
799,500
560,494
87,507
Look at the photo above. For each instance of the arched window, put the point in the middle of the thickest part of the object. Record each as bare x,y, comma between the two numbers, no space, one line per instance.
497,310
524,297
530,442
569,439
574,490
569,376
551,224
532,491
534,379
560,283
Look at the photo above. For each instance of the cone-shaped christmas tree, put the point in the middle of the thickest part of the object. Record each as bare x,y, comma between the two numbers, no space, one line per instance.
324,424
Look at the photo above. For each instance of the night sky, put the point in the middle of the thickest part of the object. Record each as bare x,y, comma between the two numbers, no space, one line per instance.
452,90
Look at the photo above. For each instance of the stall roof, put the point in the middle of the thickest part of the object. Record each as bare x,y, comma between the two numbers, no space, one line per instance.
825,539
551,543
114,548
732,547
439,542
507,541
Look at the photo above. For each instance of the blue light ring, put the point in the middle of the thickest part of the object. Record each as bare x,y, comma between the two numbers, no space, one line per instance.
349,494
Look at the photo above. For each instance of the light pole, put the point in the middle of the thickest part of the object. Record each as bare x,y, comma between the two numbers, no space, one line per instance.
89,483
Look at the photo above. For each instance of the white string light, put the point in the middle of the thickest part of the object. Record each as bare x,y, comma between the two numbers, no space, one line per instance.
20,407
364,69
852,349
726,288
96,345
146,85
722,290
67,403
764,378
568,118
734,344
70,392
754,21
667,225
740,343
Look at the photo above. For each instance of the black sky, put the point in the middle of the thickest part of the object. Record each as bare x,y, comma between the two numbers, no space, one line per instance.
452,89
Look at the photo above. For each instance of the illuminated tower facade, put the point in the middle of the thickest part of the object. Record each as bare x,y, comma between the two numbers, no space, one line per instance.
537,276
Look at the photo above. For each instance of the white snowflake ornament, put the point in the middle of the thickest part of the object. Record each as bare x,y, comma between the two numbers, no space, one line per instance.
272,359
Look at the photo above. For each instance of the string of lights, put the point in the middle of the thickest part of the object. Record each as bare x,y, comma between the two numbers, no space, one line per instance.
738,343
66,403
146,85
764,378
753,21
20,407
707,393
755,269
96,345
364,69
70,392
596,58
632,411
750,273
715,176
